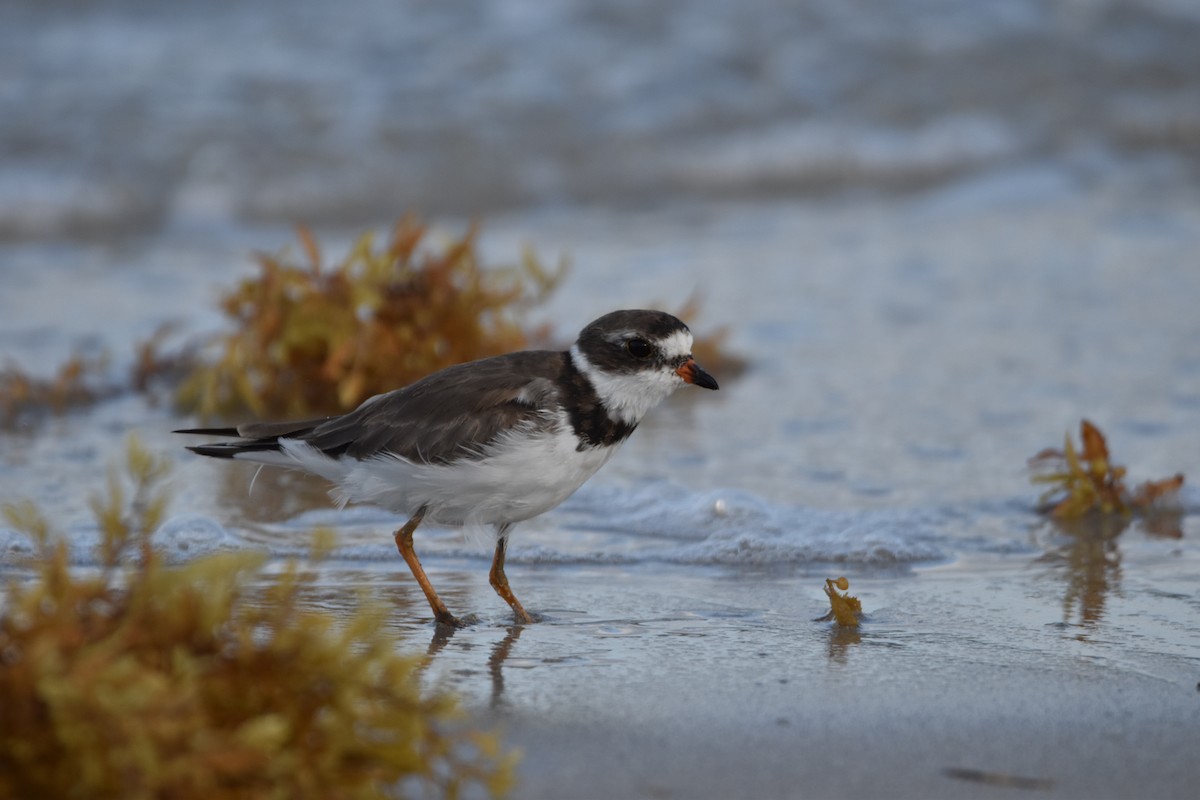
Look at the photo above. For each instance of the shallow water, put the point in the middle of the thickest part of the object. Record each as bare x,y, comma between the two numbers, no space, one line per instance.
927,292
904,362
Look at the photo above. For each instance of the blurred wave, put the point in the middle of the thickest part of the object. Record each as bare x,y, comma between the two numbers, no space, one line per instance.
131,115
656,524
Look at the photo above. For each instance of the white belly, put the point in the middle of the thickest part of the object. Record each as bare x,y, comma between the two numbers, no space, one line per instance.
517,478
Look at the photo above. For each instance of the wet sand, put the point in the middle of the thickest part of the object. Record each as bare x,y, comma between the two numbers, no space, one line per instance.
981,680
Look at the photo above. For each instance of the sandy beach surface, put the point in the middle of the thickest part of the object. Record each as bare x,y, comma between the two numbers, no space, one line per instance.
962,681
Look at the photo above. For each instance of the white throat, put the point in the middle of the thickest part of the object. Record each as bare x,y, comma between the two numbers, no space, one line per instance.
629,396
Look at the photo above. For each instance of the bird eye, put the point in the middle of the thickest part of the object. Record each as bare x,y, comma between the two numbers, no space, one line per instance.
639,348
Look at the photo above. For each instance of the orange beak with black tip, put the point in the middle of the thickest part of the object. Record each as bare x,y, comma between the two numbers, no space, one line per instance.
691,372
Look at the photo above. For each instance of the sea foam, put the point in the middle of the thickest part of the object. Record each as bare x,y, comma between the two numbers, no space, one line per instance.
604,524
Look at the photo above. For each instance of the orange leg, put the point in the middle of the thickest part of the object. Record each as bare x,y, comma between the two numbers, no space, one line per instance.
500,582
404,541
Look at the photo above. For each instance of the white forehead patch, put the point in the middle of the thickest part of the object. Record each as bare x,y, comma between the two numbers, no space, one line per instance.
677,345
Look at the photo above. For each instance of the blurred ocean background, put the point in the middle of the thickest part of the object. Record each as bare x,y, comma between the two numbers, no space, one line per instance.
121,120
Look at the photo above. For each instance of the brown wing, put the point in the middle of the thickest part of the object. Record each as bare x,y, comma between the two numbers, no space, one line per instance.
449,414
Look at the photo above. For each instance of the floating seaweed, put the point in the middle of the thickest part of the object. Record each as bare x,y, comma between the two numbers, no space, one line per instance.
843,608
155,366
147,680
1085,479
310,339
78,382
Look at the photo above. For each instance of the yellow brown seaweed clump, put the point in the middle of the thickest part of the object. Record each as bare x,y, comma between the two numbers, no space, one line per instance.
309,339
76,383
1084,480
143,680
843,608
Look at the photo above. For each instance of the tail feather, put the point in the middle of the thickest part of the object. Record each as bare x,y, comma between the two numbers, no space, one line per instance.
232,449
256,437
243,447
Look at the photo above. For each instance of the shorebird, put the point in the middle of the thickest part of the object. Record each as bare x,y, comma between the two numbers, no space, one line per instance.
492,442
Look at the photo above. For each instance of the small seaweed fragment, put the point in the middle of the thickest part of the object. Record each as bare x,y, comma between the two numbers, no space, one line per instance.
77,383
1151,492
155,366
311,339
843,608
145,680
1085,479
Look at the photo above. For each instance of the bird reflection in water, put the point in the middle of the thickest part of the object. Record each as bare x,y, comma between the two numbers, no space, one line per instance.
501,650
